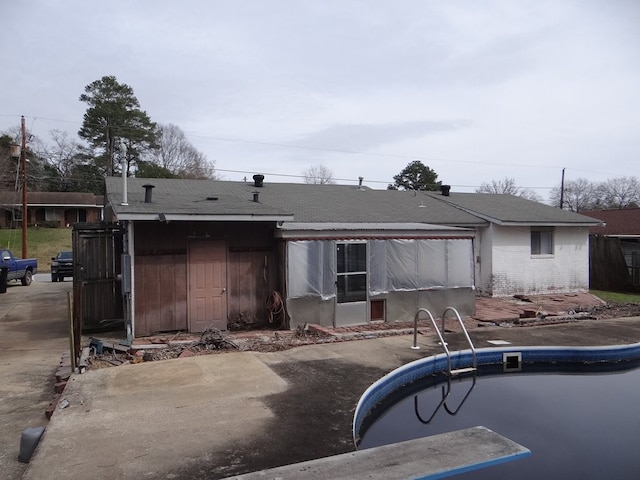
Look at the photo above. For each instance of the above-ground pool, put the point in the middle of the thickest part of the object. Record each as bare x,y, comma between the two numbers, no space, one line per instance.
574,408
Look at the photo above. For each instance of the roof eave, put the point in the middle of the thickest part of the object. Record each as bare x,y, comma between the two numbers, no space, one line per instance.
546,224
172,217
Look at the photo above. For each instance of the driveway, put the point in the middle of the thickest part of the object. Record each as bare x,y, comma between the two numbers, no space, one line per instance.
33,336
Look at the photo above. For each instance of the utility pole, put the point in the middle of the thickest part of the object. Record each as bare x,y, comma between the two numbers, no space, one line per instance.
562,190
23,159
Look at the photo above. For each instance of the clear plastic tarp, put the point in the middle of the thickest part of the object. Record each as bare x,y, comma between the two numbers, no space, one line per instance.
311,269
394,265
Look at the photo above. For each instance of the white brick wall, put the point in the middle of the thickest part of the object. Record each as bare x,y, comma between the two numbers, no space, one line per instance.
513,270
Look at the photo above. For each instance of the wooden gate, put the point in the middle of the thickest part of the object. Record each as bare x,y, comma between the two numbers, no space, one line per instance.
97,292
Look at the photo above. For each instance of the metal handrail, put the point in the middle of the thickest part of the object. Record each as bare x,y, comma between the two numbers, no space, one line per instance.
466,334
435,326
441,334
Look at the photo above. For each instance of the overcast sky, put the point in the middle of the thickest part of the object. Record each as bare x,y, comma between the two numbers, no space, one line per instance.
477,90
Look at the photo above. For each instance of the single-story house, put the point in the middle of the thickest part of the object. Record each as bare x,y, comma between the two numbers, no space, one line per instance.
50,209
202,253
620,229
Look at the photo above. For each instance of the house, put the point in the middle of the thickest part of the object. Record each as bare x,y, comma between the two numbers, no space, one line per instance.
615,243
526,247
202,253
50,209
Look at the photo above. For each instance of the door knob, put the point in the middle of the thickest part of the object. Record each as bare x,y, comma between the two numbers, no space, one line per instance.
224,289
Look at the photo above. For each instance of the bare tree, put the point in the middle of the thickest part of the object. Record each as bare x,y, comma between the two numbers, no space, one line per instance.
577,195
177,156
621,192
508,186
63,156
319,175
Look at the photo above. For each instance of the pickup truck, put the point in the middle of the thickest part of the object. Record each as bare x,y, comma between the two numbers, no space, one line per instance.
61,266
18,269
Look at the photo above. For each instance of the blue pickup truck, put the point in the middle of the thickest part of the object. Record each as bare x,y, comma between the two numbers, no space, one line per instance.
17,269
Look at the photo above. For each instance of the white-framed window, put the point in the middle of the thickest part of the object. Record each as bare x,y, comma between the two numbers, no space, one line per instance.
542,241
351,272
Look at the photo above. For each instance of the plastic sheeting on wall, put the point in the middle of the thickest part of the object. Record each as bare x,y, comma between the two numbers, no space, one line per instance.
311,269
420,264
394,265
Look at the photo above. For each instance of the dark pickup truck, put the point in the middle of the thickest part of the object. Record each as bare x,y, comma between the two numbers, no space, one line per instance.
17,269
61,266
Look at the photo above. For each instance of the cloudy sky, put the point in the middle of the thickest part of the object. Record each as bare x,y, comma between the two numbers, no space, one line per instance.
477,90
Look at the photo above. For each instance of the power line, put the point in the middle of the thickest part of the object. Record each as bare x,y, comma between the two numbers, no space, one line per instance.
124,129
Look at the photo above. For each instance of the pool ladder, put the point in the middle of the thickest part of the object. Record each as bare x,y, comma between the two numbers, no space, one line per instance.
450,371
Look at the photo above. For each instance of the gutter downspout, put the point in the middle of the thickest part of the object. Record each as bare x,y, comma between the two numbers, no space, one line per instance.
131,327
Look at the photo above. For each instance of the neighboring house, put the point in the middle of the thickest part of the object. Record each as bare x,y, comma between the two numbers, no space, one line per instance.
526,247
620,231
51,209
209,253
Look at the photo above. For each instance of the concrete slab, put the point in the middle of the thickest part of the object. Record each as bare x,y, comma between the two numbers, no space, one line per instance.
221,415
33,337
451,453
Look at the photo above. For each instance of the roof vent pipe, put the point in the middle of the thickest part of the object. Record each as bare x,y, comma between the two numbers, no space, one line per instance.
445,189
256,197
123,154
148,190
360,179
258,179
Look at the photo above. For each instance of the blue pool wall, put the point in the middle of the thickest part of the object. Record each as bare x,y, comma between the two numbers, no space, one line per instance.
424,367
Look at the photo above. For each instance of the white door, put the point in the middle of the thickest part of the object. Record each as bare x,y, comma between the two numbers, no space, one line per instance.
351,283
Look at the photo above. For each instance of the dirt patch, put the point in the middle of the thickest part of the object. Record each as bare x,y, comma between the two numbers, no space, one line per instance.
618,310
545,310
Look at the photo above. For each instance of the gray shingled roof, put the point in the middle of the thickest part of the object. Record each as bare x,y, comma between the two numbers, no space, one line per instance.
510,209
307,203
331,204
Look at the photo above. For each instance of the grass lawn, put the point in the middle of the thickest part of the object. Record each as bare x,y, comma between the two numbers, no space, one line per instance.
42,243
614,297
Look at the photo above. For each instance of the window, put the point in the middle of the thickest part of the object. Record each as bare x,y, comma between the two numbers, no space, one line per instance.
542,241
351,272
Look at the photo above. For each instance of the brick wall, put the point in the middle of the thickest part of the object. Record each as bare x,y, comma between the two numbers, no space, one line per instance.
515,271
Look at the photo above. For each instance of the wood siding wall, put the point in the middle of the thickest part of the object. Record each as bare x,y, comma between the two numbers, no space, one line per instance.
161,271
607,266
161,294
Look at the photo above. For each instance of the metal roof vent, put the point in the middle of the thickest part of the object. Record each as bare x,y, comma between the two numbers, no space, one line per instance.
148,191
258,180
445,189
256,197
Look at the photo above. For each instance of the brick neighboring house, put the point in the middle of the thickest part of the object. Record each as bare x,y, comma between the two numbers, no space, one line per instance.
621,229
50,209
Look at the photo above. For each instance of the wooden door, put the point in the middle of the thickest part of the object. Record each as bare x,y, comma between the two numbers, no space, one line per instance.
207,285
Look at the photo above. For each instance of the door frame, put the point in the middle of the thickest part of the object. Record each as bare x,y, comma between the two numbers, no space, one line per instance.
351,313
190,291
